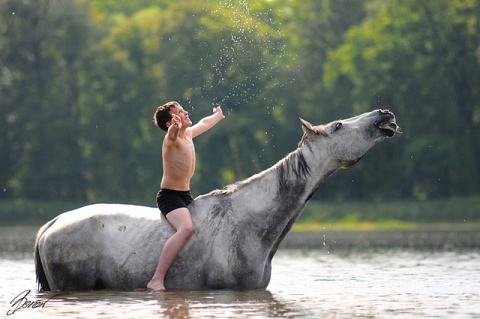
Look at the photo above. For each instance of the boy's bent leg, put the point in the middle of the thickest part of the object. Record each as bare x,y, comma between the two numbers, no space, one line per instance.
181,220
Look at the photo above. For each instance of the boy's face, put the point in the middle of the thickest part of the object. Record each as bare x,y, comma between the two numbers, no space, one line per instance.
179,111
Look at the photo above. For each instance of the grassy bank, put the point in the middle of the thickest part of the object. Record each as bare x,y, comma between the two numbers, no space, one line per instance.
386,225
453,213
441,214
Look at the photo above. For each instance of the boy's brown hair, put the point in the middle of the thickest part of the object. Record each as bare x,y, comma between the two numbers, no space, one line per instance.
162,115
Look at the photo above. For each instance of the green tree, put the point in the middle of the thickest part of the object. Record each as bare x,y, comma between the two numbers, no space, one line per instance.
42,45
420,59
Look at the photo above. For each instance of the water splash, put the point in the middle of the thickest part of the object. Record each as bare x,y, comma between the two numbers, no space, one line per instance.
240,65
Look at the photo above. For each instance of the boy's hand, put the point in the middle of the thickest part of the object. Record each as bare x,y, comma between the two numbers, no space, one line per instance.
218,110
176,121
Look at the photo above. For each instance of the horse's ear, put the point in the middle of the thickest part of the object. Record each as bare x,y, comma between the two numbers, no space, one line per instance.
308,128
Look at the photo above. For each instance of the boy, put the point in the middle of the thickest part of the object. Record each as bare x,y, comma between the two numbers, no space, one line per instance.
178,155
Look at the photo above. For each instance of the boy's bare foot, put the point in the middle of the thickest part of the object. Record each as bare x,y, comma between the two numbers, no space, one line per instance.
156,285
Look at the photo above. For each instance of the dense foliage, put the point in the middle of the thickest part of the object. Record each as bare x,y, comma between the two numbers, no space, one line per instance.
80,80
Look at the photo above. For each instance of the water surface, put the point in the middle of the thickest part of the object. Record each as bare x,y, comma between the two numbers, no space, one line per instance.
315,275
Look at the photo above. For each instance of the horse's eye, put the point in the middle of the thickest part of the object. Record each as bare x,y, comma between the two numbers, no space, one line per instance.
338,126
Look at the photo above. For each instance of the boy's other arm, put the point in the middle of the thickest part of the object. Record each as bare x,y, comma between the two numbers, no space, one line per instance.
207,122
172,132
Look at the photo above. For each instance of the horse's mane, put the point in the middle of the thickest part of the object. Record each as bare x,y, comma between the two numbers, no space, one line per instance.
294,163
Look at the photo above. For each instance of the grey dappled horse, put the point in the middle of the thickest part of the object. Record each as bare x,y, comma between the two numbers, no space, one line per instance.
237,229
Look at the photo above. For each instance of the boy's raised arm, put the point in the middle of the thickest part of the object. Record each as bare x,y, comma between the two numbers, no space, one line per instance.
172,132
207,122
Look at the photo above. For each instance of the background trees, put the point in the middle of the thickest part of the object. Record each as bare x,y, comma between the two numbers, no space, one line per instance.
80,80
422,59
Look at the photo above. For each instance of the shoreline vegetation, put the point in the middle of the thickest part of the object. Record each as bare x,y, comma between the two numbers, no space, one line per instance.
456,213
460,213
387,225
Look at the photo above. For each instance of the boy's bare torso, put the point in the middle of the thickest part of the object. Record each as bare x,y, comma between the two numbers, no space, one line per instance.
178,162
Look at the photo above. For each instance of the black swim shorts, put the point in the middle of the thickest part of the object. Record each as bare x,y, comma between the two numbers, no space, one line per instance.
168,200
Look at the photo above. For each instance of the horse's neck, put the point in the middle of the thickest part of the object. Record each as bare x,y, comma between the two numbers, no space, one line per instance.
281,192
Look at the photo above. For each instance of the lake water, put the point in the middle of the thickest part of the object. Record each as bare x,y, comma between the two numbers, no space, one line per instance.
315,275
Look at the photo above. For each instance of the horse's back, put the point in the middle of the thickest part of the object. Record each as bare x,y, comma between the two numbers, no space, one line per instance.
98,225
109,211
98,246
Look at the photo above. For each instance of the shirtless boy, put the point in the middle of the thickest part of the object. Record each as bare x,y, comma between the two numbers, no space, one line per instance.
178,155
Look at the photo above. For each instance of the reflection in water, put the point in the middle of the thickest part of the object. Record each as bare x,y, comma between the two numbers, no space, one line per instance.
226,304
174,304
177,304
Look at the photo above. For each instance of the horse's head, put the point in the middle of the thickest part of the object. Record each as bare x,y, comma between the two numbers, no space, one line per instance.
346,141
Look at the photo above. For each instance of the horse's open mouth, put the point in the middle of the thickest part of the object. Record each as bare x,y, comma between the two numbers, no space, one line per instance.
390,128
